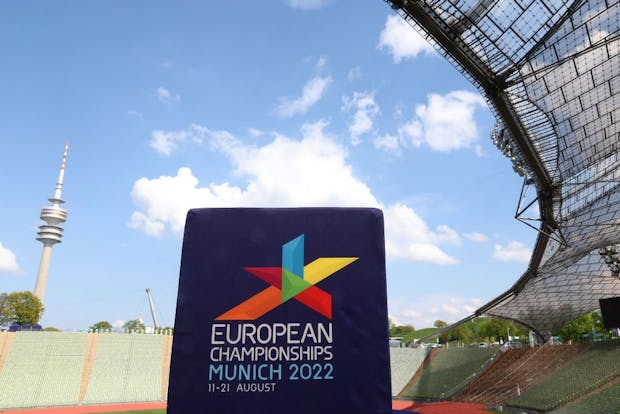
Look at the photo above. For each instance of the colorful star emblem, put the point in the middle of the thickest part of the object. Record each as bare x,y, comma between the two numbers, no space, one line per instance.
291,281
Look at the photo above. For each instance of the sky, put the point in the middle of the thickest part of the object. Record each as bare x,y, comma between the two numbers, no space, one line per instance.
279,103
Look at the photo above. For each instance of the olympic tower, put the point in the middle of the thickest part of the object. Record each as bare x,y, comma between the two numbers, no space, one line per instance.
50,233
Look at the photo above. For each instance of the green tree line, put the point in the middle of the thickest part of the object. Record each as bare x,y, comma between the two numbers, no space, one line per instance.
583,329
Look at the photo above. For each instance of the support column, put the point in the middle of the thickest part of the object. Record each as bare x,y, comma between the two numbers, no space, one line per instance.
44,266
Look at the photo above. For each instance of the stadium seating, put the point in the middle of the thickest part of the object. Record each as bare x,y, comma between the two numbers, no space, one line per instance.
127,368
491,376
50,368
599,364
604,402
42,369
404,363
448,370
516,371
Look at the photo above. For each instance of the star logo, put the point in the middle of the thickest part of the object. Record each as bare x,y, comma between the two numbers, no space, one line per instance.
293,280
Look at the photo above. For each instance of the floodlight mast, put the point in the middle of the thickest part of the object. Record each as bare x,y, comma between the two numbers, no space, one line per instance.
152,306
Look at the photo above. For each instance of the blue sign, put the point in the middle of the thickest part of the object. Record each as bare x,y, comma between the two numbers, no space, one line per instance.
281,311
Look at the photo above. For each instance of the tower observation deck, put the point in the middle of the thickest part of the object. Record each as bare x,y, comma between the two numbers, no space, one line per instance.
51,233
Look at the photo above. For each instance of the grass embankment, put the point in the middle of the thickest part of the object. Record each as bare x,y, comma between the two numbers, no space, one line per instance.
423,332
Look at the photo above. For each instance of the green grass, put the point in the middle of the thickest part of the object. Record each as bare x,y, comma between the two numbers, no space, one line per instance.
423,332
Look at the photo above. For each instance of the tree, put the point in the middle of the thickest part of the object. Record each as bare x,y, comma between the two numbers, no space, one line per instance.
134,325
52,329
440,324
101,326
4,319
406,332
401,330
391,324
492,329
22,308
582,327
461,333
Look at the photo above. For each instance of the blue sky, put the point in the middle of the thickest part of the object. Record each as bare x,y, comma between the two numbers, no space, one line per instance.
276,103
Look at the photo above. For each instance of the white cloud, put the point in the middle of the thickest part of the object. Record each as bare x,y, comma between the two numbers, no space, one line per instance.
445,122
317,165
165,142
163,202
365,111
8,261
165,96
402,41
407,236
394,319
307,4
255,132
134,113
445,234
513,252
150,226
388,143
479,150
476,237
426,310
412,132
411,313
118,323
320,65
354,74
312,92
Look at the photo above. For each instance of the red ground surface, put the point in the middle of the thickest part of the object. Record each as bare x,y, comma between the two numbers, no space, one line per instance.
424,408
447,407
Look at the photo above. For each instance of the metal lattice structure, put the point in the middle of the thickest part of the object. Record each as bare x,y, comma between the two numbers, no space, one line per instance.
550,71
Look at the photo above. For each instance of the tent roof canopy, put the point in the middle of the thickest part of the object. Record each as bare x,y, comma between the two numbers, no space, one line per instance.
550,70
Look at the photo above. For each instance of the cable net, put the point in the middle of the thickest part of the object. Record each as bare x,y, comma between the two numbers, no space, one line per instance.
550,71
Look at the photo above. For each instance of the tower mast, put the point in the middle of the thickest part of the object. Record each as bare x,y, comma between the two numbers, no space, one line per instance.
51,233
148,294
